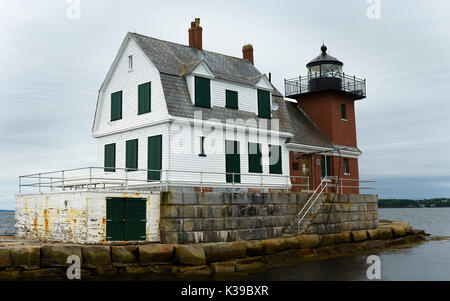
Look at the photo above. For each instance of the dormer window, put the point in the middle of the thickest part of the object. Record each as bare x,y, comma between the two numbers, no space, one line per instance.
130,62
231,99
264,110
202,92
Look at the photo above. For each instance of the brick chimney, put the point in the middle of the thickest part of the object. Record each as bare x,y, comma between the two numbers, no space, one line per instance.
247,53
195,34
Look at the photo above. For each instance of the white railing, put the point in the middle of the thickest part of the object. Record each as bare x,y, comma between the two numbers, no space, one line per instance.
122,179
312,200
95,178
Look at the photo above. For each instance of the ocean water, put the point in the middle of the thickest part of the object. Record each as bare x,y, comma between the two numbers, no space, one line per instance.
6,222
427,261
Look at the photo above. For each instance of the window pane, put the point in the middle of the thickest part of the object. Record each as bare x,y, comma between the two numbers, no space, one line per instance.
110,157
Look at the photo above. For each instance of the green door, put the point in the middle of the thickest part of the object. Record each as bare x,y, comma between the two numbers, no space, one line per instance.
232,161
125,219
154,158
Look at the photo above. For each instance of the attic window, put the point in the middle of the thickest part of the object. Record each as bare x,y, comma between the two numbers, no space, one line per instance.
130,62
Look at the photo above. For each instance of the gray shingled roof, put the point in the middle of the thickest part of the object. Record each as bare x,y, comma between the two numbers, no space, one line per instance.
305,131
170,57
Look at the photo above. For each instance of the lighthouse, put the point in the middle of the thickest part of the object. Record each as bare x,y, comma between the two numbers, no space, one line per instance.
327,96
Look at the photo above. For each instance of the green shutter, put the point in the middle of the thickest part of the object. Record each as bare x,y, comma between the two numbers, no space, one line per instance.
110,157
231,99
264,109
202,92
275,159
125,219
328,165
254,157
116,106
154,158
232,161
144,98
132,154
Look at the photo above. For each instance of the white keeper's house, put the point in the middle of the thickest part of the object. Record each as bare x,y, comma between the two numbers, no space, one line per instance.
183,115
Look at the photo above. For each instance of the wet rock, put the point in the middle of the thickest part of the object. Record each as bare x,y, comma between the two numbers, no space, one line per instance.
398,231
123,255
281,258
156,254
309,241
385,233
373,234
190,255
223,267
274,245
255,248
56,256
44,274
358,236
5,258
342,238
249,264
27,257
96,256
189,271
9,275
225,251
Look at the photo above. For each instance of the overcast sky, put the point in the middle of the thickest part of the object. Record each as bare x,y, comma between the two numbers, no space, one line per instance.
51,68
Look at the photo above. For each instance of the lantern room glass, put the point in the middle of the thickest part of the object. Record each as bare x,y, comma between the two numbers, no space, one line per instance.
325,70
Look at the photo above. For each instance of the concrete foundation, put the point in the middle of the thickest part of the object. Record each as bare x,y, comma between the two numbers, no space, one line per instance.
78,217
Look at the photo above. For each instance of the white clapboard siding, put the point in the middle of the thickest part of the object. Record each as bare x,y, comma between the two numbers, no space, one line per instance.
127,81
185,145
142,135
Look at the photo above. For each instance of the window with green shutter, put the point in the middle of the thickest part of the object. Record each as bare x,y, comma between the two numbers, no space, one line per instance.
131,154
232,161
264,110
116,106
154,158
202,92
110,157
254,157
275,161
231,99
144,98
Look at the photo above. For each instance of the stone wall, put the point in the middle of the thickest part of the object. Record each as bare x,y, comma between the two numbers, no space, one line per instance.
194,217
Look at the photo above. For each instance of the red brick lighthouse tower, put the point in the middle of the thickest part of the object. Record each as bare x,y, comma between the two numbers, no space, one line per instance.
327,96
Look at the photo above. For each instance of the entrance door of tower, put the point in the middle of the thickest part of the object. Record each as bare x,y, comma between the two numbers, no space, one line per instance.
125,219
306,173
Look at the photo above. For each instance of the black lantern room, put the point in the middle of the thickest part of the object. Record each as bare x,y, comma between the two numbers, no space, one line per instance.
324,72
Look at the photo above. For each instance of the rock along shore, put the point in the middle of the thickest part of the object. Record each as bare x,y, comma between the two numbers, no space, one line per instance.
32,260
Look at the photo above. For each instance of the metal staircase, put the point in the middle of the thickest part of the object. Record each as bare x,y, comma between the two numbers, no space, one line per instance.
311,202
